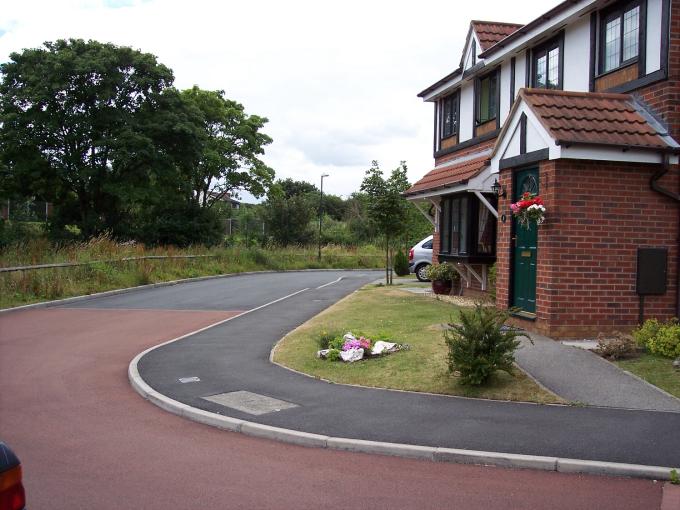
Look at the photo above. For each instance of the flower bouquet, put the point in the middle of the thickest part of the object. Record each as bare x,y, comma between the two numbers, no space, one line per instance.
528,209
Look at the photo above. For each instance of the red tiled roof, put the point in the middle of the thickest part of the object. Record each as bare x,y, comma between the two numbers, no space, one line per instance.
491,32
593,118
449,175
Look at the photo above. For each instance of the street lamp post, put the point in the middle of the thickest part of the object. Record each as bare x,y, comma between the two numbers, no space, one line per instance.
321,212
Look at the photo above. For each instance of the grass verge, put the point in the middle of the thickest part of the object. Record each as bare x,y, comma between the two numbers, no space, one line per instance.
24,287
656,370
405,318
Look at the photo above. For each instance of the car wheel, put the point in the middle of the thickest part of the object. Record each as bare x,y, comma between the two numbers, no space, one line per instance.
421,272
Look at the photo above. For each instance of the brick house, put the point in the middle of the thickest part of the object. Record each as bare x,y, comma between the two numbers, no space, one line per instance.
581,106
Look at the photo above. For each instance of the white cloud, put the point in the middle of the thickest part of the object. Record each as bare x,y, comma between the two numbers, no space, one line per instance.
338,81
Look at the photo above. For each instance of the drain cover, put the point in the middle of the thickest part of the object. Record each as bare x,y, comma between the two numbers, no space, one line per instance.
185,380
251,403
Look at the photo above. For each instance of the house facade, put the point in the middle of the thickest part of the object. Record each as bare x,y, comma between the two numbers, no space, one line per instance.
582,107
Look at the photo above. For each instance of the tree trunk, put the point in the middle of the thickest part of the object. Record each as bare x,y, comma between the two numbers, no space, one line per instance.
387,259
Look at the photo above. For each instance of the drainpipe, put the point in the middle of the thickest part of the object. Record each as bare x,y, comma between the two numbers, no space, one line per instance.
654,184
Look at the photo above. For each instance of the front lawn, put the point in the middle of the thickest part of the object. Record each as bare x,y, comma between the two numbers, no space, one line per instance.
405,318
654,369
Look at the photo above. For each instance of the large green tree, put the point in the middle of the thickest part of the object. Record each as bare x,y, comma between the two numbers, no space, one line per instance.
232,146
71,115
386,206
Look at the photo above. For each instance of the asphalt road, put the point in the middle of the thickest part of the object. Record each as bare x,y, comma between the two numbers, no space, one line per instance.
87,440
235,357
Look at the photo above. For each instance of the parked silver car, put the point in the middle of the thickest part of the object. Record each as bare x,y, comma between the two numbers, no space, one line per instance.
420,258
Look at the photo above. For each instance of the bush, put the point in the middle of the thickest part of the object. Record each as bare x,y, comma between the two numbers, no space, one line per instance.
325,339
646,332
617,346
479,345
333,355
442,272
401,264
660,338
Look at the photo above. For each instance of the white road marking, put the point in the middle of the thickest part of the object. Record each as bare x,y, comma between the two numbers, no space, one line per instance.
329,283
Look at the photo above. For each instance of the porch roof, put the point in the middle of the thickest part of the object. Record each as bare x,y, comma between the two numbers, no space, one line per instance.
595,119
449,174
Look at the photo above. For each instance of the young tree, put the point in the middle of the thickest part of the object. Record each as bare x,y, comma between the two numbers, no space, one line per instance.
67,110
232,144
387,208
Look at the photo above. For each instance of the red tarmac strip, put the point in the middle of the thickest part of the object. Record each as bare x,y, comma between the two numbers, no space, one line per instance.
88,441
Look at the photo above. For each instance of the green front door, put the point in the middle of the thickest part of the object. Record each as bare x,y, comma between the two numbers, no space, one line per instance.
525,247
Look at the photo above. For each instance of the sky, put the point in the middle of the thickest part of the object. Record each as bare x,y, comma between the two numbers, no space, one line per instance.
338,81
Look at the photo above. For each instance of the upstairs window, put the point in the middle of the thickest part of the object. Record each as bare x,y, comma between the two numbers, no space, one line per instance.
449,116
620,37
487,93
547,65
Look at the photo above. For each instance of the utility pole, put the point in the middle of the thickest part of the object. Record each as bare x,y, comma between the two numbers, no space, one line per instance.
321,212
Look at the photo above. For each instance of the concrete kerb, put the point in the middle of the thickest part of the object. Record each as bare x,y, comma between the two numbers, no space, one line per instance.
115,292
434,454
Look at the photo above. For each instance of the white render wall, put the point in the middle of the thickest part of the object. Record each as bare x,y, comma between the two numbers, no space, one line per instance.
467,111
653,61
577,56
505,90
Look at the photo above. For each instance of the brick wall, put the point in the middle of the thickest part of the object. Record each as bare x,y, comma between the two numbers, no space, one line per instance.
599,213
664,97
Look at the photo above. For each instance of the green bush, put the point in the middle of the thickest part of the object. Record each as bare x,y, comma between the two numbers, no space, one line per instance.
401,264
442,272
659,338
667,341
333,355
646,332
479,345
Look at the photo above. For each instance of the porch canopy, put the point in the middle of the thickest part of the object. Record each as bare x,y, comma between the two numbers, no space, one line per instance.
553,124
467,173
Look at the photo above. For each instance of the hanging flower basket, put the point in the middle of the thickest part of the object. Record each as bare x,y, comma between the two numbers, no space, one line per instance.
529,209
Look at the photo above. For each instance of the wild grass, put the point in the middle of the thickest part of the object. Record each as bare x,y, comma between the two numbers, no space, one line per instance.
405,318
109,271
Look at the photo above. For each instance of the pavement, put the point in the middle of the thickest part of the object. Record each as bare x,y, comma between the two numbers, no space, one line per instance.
85,438
579,375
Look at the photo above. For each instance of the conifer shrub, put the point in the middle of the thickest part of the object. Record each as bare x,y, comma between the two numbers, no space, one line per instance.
479,345
401,264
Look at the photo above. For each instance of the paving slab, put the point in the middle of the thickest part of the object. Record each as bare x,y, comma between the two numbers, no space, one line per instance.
583,377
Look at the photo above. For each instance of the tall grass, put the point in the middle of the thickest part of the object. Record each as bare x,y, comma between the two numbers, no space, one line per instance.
109,272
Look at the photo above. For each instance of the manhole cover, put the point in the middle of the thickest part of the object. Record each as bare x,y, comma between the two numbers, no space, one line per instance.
251,403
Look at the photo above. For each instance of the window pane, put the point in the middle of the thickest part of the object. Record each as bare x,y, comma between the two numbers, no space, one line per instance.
553,81
446,118
612,44
445,225
462,248
455,222
631,32
484,231
493,83
541,68
484,100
